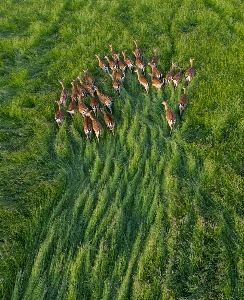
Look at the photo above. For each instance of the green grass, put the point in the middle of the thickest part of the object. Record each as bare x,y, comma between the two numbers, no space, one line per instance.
139,215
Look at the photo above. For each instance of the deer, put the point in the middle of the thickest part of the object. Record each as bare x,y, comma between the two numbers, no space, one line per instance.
88,87
143,81
138,52
118,76
169,76
96,125
113,54
112,64
83,109
121,64
140,64
129,62
89,79
154,60
74,93
64,93
155,71
177,78
87,126
72,108
104,99
101,64
60,114
170,116
190,73
156,82
183,101
109,120
94,105
116,84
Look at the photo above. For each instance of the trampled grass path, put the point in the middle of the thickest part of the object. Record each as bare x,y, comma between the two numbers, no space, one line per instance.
139,215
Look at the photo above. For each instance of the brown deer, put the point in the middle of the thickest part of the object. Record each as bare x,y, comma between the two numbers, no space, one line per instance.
88,87
169,76
118,76
121,64
83,109
89,79
94,103
177,78
64,93
96,125
87,126
116,84
113,54
183,101
102,65
154,60
60,115
129,62
155,71
170,116
74,92
106,100
156,82
138,52
143,81
140,64
109,120
190,73
72,108
112,64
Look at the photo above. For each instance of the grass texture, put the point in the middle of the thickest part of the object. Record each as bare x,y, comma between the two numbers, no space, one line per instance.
141,214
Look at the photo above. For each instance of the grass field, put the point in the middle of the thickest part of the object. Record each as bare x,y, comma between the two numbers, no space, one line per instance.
141,214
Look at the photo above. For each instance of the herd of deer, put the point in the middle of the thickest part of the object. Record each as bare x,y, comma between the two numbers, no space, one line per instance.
116,68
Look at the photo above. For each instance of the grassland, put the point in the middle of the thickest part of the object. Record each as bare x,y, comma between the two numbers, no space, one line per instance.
139,215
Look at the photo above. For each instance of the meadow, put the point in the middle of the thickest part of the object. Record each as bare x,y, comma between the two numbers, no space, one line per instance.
141,214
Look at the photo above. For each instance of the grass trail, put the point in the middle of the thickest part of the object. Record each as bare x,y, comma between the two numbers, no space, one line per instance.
139,215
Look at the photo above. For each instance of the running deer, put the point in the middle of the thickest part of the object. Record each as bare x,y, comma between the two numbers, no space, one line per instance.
106,100
143,81
109,120
156,82
102,65
113,53
121,64
169,76
112,64
177,78
129,62
154,60
183,101
60,115
74,93
155,71
119,76
87,126
190,73
96,125
72,108
88,87
139,63
83,109
94,103
170,116
64,93
138,52
89,79
116,84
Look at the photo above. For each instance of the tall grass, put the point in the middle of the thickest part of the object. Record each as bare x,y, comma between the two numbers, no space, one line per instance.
141,214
